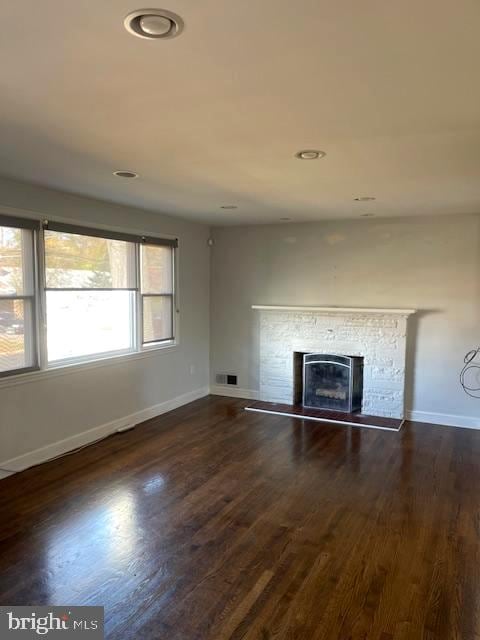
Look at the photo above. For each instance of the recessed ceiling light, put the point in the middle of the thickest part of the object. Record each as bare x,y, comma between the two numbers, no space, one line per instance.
125,174
154,24
228,206
310,154
364,198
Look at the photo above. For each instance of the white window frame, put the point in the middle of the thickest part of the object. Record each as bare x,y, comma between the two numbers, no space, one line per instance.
31,336
39,308
145,346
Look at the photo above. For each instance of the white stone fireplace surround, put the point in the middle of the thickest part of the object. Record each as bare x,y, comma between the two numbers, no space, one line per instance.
378,335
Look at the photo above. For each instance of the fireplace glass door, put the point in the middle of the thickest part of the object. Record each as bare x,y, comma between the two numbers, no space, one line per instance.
330,382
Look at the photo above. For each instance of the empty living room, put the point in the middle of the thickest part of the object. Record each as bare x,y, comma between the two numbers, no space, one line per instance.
240,320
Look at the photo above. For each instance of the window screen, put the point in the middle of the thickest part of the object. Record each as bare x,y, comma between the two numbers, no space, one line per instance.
157,293
17,300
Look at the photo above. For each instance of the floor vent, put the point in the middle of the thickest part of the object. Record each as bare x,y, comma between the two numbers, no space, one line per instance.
225,378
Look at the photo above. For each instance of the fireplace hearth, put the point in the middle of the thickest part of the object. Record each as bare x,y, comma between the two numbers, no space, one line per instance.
332,382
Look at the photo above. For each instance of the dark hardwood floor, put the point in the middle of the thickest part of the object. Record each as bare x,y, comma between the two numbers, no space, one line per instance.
211,522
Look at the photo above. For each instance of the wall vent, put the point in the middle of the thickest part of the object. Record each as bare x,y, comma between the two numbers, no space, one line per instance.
226,378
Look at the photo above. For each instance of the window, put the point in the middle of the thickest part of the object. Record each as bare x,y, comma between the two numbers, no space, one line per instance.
90,295
157,293
18,350
102,293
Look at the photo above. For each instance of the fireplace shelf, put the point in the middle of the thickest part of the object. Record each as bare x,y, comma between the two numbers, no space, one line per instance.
353,310
322,415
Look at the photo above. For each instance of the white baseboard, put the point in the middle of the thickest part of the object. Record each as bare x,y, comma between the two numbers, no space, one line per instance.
444,419
20,463
233,392
14,465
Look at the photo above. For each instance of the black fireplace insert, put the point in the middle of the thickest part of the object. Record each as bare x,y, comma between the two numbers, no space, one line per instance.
332,382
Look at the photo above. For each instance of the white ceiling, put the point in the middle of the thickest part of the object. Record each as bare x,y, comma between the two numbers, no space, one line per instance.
390,90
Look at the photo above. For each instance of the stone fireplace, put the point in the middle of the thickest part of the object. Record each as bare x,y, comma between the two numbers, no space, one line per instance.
378,336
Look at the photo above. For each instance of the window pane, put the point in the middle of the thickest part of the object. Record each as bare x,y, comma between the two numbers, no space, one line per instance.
16,273
82,323
157,269
157,318
75,261
15,347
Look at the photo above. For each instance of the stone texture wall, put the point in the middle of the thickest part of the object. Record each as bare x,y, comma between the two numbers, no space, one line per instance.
379,338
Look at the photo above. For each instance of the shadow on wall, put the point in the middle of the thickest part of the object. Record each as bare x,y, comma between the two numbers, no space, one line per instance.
411,351
254,365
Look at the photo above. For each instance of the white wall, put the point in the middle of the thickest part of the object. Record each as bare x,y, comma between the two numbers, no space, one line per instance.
49,408
429,263
432,264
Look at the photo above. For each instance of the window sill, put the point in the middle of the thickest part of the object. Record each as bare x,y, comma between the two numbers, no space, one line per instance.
77,367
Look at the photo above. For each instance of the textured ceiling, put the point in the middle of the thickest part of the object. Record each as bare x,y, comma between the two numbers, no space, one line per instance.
389,90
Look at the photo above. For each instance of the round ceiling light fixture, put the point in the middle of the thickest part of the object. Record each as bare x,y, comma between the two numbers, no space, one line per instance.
122,173
154,24
364,198
310,154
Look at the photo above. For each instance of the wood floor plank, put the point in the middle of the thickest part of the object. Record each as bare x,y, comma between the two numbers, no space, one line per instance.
213,523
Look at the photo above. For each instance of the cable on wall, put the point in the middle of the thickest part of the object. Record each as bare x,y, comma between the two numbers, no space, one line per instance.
471,366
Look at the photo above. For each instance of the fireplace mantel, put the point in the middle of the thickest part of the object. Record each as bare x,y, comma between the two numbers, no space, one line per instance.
399,312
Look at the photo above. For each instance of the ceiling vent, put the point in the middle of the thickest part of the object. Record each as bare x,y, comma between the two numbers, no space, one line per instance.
154,24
